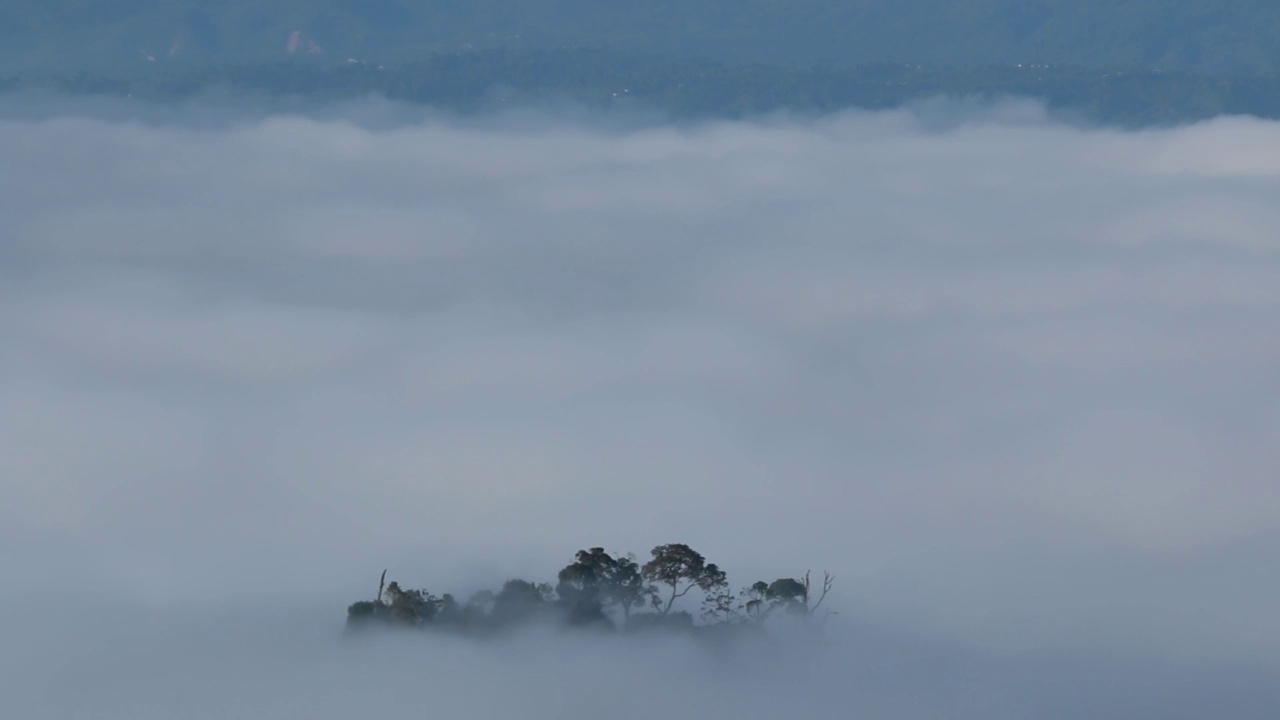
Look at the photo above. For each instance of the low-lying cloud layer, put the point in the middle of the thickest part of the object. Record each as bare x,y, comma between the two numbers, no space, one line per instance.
1014,382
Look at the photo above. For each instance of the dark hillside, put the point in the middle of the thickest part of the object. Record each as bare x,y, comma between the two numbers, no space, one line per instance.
1204,36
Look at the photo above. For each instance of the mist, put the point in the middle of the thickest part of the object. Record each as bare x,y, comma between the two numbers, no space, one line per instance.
1012,380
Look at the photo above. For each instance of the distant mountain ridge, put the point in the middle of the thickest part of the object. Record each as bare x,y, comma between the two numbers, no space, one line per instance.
120,36
681,89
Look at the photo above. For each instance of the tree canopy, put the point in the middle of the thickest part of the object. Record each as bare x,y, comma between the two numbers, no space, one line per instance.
681,568
601,591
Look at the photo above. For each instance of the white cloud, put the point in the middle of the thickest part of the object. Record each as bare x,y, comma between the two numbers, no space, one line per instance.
307,347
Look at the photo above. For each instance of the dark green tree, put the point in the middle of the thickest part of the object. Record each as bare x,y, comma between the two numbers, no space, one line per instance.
788,594
582,579
519,600
680,568
792,595
627,588
475,612
753,599
595,576
410,607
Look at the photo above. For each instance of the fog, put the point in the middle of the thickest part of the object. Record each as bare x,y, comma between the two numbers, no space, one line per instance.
1013,381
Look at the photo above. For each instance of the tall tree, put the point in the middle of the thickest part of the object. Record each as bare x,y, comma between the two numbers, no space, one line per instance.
627,588
519,600
596,576
680,568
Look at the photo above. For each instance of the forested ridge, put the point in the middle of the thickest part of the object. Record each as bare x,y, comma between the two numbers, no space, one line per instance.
604,78
1203,36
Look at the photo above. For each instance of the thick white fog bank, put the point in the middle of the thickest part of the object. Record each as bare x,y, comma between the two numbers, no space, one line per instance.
211,662
1017,384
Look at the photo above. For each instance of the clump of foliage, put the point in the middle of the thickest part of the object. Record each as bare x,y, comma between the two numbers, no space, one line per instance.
604,592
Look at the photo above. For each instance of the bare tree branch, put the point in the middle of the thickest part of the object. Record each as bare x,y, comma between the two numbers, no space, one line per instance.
827,581
676,595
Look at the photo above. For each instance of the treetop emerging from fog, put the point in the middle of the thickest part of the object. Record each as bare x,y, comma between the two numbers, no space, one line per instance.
605,592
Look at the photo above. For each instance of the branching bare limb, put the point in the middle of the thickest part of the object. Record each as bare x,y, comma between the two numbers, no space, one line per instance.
827,581
676,595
